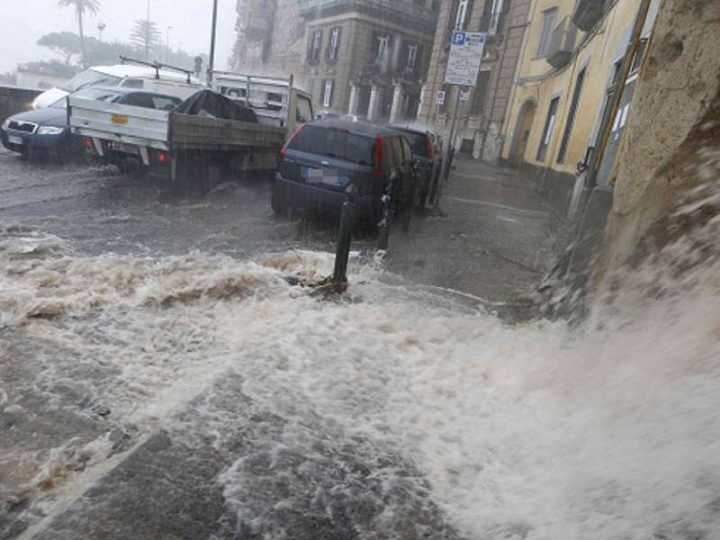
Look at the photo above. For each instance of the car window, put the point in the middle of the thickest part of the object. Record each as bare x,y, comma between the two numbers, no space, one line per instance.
304,109
165,103
137,100
418,143
89,78
336,143
133,83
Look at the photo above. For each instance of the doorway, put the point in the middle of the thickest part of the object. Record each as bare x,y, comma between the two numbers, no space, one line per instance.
522,132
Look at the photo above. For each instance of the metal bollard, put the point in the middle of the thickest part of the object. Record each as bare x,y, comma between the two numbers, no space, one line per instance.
343,244
384,225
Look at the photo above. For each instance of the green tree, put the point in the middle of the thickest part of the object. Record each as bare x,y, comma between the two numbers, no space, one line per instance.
81,6
145,35
66,44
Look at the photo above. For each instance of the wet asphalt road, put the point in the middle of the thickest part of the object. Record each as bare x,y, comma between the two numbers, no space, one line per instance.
492,242
163,483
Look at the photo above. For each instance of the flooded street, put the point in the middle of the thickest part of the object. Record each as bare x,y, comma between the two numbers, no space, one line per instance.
162,375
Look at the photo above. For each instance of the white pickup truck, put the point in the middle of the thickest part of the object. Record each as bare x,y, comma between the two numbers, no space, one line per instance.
200,148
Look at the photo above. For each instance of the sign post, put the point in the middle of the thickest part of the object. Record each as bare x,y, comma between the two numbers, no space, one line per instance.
463,68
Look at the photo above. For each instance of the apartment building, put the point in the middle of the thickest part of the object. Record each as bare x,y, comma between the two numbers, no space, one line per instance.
368,57
482,111
569,71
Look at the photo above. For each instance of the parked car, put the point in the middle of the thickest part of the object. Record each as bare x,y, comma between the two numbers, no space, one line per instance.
426,151
148,77
45,132
329,160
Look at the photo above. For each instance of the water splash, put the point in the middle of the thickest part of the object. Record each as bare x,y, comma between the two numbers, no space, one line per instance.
396,412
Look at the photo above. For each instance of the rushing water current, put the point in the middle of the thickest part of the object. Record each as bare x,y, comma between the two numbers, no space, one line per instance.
393,412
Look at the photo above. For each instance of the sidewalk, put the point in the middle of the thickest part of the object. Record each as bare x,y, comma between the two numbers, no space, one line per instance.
493,241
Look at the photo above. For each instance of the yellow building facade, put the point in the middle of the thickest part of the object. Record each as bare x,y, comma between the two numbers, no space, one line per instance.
568,70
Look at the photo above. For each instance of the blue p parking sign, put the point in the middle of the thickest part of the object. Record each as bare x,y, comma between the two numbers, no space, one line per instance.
458,38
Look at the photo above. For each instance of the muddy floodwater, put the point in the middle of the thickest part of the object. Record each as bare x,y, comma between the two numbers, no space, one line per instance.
210,395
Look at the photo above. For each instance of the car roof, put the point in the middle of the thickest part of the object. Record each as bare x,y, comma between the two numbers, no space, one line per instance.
142,72
357,128
415,128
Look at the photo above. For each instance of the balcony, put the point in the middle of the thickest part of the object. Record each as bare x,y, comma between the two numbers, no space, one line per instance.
403,12
562,43
588,13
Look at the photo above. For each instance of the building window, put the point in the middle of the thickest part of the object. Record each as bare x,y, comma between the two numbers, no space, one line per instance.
327,96
480,93
496,11
383,46
548,130
571,117
548,25
315,47
334,44
462,13
411,60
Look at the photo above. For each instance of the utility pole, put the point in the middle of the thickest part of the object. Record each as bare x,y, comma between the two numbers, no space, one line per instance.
167,44
147,33
211,63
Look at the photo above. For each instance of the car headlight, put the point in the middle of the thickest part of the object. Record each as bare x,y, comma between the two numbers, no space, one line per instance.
50,130
6,124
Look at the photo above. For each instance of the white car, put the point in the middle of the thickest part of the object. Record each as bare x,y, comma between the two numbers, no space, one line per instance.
162,81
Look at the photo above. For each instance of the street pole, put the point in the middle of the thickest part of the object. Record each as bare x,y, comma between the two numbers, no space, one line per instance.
211,64
447,148
147,33
167,45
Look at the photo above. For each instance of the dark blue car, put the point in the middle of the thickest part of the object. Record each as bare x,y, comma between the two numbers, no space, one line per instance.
45,132
328,161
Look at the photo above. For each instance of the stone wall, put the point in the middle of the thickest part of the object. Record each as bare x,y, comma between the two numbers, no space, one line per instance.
14,100
675,124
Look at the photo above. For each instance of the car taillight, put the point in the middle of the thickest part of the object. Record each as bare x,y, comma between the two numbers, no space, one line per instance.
377,157
283,150
429,147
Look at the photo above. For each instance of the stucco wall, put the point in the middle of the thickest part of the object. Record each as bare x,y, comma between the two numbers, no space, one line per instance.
14,100
676,119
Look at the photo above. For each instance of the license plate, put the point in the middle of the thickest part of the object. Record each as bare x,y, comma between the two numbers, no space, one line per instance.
121,119
12,139
329,177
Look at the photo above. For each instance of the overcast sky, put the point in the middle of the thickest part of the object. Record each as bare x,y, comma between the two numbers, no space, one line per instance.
24,22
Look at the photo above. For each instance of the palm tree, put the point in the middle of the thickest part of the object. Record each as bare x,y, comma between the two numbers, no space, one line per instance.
81,6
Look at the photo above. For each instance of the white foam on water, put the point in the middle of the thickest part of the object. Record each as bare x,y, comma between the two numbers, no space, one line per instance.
610,430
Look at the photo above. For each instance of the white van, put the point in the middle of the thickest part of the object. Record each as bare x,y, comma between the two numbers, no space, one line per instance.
153,79
268,97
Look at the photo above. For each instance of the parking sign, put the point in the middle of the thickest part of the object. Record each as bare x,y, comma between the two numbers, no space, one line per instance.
466,53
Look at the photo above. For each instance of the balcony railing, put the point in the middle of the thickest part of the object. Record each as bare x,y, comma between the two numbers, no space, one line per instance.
404,12
588,13
562,43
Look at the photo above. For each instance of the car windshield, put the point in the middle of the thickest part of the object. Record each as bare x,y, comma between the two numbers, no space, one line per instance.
335,143
88,78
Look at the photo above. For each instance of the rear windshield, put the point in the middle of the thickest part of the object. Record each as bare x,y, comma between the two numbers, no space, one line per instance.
334,143
418,143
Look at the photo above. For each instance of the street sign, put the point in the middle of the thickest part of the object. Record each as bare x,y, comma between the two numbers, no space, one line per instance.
440,98
466,53
465,93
